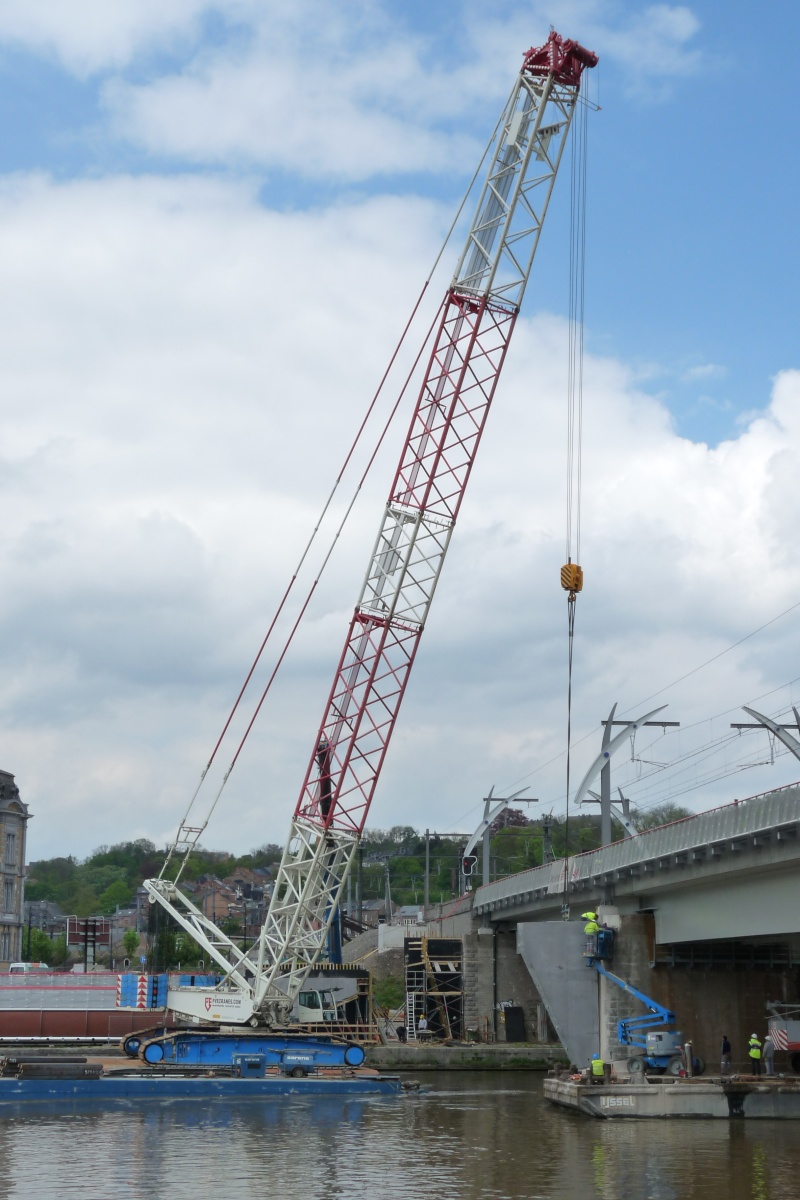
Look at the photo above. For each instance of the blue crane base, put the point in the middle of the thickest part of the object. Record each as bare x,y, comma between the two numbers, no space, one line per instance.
295,1054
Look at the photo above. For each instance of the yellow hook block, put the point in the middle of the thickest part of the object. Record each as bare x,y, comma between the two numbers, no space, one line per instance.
572,577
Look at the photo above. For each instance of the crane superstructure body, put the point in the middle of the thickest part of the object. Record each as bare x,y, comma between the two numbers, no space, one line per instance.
477,318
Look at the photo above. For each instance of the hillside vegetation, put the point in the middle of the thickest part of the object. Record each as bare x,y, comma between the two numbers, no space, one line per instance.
108,878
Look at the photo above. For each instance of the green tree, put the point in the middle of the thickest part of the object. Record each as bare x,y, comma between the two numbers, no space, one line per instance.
99,878
164,951
42,948
263,856
83,901
37,946
116,895
130,942
59,953
187,950
51,879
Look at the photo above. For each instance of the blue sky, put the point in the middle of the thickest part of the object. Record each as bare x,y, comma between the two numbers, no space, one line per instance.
214,218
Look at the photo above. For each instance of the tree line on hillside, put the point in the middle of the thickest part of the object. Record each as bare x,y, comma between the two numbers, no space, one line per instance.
108,879
517,843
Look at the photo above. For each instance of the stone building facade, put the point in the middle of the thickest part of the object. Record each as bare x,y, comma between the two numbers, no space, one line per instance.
14,818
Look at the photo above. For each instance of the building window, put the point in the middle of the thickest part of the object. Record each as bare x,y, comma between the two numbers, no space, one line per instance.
8,895
11,849
5,944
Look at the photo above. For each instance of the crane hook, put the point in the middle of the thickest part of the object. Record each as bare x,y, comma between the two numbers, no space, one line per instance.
572,579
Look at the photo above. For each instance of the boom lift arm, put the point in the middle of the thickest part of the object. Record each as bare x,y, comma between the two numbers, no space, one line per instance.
662,1049
478,314
629,1029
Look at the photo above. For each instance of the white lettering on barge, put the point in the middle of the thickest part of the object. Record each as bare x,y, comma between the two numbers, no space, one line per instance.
617,1102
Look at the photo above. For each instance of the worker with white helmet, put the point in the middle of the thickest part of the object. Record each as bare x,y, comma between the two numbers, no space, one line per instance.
754,1051
768,1054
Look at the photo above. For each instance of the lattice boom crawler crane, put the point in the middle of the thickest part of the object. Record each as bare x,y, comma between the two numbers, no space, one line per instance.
477,318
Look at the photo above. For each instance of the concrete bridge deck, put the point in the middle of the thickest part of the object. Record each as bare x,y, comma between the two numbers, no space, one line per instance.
728,873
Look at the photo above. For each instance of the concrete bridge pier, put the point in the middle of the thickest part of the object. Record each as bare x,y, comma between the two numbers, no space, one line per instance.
553,954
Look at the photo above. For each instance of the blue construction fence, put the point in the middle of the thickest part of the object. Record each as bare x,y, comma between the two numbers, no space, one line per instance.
150,991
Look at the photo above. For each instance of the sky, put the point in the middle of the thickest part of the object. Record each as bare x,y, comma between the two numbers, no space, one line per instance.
215,219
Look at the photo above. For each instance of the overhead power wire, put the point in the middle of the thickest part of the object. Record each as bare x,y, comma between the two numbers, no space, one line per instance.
521,779
673,785
714,658
631,785
736,768
735,708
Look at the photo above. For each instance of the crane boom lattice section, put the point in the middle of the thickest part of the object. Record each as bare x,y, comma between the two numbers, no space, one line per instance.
405,566
477,319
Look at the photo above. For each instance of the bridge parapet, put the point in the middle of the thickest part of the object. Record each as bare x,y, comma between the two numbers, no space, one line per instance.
751,824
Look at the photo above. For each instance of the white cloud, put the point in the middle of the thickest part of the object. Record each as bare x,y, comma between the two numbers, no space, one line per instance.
653,46
91,35
181,372
343,94
355,95
269,109
704,371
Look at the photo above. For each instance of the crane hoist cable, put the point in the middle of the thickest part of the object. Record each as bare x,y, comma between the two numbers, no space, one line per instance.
571,572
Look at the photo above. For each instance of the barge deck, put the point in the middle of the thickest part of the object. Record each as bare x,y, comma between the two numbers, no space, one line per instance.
737,1097
153,1087
58,1078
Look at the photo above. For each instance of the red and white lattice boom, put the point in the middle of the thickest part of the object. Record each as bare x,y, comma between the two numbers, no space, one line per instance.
477,319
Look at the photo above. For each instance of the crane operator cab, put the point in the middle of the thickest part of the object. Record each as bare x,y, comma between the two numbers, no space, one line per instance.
315,1007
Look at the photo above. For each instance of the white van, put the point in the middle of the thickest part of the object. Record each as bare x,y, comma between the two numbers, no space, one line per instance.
34,968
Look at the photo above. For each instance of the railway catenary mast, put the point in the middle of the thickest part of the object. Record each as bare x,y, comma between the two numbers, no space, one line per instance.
478,314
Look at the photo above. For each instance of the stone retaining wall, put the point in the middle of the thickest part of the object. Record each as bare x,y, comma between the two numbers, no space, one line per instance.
496,1057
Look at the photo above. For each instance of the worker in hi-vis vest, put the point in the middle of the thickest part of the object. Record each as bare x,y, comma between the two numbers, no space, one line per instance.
598,1069
591,925
754,1050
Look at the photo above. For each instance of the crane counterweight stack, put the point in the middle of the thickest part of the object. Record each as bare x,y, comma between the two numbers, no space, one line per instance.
476,321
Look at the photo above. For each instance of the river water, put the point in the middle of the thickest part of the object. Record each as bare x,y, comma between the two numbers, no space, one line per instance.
465,1136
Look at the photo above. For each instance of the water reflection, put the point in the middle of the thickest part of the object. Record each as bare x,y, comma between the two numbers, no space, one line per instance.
470,1136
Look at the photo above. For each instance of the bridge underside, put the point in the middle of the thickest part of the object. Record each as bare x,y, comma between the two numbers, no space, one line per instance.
744,904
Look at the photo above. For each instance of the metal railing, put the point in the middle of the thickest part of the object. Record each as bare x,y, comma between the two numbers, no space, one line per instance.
744,818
